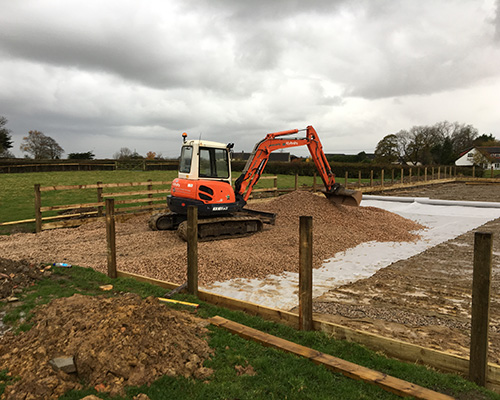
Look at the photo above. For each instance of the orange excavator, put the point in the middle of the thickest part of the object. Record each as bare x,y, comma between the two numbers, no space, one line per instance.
204,181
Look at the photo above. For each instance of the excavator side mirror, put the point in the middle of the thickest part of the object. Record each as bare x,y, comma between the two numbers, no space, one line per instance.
230,146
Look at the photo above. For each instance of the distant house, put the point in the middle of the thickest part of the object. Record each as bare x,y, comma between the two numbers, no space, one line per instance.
485,157
275,156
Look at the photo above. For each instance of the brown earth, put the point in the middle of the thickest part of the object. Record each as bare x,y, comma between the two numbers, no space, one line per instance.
114,342
162,255
425,299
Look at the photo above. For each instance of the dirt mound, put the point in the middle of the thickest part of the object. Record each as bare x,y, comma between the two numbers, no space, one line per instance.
15,275
114,342
162,255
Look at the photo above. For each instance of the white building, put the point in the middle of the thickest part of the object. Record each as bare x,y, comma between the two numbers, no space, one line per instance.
485,157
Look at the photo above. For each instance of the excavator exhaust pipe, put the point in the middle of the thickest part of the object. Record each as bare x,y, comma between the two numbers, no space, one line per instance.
343,196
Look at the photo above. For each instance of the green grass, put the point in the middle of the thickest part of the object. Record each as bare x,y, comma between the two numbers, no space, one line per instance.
279,375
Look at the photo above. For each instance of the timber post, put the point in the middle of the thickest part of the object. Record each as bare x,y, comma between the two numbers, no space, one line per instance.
359,178
402,175
392,176
296,181
346,179
192,250
150,195
99,198
111,237
314,182
481,285
38,205
371,178
382,178
305,274
425,174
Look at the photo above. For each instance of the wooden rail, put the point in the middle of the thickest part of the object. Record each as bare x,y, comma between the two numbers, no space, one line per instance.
84,210
389,383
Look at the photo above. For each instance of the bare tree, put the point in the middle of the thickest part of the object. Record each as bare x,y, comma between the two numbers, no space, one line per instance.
40,146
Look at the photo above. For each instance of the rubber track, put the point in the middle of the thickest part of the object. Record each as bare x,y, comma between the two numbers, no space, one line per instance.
245,221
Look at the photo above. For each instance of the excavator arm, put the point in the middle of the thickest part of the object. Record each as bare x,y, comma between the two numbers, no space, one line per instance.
275,141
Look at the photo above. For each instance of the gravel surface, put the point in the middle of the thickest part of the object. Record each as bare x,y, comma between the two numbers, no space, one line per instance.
162,255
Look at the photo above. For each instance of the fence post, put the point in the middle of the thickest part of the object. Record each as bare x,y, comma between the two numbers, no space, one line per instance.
99,199
111,237
492,175
192,250
481,285
150,195
402,175
409,175
305,274
296,181
314,182
371,178
439,172
473,171
359,178
382,178
38,204
425,174
392,176
346,178
275,183
432,174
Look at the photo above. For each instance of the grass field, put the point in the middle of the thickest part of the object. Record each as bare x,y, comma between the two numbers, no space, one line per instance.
278,375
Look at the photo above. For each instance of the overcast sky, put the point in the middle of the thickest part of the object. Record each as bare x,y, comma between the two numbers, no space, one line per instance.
100,75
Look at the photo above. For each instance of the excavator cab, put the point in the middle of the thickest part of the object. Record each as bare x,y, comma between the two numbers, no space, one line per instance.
204,179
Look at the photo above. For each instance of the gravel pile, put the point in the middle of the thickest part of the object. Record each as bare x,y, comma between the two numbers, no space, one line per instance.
162,255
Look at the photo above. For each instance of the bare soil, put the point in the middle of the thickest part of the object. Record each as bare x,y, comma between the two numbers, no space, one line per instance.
425,299
114,342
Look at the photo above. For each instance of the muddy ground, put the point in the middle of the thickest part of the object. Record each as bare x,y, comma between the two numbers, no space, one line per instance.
426,299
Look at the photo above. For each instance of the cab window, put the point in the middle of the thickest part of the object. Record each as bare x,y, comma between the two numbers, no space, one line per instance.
185,162
213,163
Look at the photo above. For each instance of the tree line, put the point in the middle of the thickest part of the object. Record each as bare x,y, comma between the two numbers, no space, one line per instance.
440,144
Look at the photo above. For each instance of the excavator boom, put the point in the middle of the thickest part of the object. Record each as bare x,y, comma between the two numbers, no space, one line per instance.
275,141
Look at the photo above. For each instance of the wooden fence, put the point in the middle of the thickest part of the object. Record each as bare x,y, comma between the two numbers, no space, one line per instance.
129,201
307,321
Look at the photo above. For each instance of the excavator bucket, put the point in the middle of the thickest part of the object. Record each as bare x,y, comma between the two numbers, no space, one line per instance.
344,196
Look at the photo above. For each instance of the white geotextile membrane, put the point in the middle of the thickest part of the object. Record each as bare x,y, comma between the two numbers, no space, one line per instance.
445,220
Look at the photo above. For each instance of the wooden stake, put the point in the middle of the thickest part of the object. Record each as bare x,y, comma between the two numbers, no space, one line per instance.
473,171
371,178
150,195
305,274
111,237
392,176
409,175
346,179
382,178
425,174
192,250
296,181
481,285
359,178
38,212
402,175
99,199
439,172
